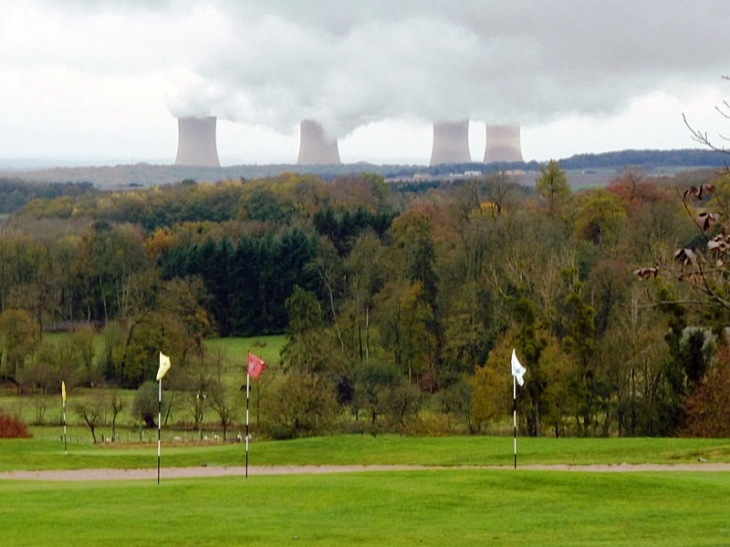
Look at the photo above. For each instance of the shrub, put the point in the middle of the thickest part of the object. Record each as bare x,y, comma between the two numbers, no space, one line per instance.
708,408
303,405
146,404
13,428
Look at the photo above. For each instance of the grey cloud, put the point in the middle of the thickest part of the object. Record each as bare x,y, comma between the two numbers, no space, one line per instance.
347,63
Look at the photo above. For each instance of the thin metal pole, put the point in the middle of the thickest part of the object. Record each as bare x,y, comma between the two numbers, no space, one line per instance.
514,415
159,426
65,445
247,396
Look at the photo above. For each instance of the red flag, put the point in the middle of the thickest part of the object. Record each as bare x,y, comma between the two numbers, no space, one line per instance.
256,365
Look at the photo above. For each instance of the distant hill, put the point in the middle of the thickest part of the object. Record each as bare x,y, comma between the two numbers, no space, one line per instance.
144,174
648,159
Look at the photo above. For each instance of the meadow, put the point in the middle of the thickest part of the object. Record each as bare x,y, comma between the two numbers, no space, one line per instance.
450,505
235,349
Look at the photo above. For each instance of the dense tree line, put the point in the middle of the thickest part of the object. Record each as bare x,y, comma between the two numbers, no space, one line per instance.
618,160
647,159
15,193
400,305
249,281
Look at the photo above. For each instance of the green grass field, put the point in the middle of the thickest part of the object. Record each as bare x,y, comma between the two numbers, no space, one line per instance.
235,349
48,452
447,506
464,507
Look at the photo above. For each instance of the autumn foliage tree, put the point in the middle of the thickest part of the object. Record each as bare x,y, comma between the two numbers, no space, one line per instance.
708,408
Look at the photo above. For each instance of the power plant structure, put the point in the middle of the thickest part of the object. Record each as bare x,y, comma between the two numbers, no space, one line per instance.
197,145
450,142
503,144
196,142
315,147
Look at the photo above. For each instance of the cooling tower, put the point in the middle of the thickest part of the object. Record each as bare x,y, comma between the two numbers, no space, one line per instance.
503,144
315,148
196,144
450,142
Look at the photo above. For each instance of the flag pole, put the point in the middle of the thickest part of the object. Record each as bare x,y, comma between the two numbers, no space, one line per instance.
518,372
514,415
63,407
254,368
164,367
159,425
65,436
247,395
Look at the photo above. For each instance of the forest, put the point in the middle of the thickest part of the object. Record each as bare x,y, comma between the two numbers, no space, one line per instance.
400,305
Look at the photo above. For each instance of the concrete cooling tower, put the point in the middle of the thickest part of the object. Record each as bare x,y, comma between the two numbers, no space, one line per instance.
196,144
503,144
315,148
450,142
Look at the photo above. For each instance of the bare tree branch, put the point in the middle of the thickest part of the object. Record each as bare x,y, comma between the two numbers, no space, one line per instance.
702,138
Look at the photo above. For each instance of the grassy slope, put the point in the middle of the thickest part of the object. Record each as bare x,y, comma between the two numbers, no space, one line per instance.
424,508
235,349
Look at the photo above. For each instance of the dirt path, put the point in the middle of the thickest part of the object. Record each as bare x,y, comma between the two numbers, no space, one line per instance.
190,472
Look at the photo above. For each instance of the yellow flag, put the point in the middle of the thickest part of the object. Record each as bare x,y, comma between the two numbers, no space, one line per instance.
63,391
164,366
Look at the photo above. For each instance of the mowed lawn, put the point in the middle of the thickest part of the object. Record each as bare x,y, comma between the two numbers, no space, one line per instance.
443,507
450,505
46,451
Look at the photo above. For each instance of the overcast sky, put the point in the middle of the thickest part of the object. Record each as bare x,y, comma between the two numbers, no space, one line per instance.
104,79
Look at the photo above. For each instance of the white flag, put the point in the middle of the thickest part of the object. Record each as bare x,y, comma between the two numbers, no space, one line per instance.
164,366
518,371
